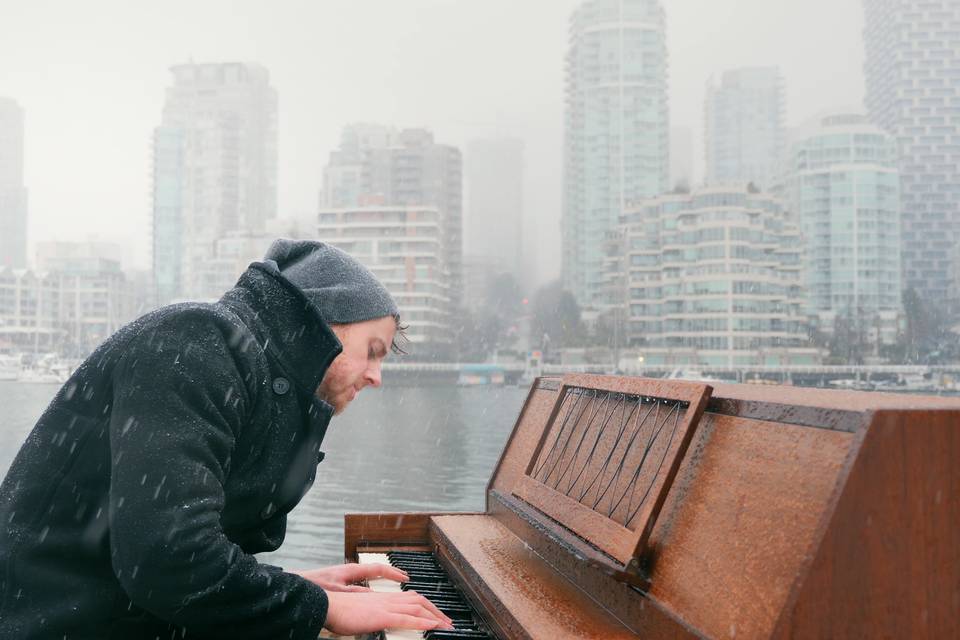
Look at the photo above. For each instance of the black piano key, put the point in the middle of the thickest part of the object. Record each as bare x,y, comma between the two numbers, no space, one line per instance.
435,587
417,566
446,634
437,602
451,609
425,578
462,617
446,598
446,606
466,625
427,559
429,579
453,603
440,588
438,598
425,570
424,556
420,569
437,595
413,563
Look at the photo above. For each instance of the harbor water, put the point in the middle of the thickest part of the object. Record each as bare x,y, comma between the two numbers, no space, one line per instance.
393,449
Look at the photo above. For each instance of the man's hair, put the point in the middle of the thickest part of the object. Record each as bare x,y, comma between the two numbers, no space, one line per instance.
400,338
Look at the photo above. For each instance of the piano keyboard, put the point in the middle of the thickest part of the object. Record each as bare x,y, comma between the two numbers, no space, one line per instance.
428,579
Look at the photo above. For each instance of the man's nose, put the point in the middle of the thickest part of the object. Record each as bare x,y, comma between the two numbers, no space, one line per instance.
373,375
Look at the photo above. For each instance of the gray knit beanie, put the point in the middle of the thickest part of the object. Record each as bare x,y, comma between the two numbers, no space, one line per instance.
343,289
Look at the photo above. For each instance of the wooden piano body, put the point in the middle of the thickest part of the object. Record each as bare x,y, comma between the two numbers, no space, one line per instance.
793,513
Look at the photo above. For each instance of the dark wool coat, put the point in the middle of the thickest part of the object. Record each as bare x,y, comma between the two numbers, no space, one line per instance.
172,454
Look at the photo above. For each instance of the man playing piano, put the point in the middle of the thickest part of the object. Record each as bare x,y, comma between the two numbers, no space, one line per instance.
174,453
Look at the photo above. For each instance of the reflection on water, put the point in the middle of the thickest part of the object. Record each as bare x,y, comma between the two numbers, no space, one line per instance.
415,449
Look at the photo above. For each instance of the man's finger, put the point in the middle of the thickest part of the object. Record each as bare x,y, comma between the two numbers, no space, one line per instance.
356,588
404,621
432,607
413,610
418,600
384,571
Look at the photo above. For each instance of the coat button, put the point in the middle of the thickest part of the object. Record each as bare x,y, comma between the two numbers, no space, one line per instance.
268,511
281,386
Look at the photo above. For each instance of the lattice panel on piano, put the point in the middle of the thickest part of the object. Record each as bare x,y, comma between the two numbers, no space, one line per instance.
606,449
608,454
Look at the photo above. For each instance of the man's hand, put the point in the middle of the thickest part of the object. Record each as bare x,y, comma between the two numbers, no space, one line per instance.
355,613
343,577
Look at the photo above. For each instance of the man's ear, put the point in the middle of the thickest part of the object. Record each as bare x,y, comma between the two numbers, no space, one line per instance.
339,329
342,331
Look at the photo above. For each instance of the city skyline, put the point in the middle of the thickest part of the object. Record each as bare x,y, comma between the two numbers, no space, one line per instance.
521,93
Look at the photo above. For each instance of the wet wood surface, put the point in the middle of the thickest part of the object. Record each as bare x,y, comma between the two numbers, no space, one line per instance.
385,529
527,597
742,516
888,565
608,523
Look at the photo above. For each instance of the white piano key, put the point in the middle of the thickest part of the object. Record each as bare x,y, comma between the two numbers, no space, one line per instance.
379,584
386,586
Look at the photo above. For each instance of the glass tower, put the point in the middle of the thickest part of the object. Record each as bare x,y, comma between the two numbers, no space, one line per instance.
214,168
616,143
912,71
744,127
844,188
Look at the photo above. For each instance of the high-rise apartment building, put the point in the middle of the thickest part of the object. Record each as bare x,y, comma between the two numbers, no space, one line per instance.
383,166
214,168
494,224
913,92
713,278
616,139
744,132
13,194
843,187
351,175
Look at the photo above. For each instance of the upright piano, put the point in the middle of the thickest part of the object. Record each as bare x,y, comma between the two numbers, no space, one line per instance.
627,507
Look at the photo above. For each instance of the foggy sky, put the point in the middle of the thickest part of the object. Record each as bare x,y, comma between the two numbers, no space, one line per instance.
91,77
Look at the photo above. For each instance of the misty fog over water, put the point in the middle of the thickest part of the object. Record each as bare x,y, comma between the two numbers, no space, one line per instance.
394,449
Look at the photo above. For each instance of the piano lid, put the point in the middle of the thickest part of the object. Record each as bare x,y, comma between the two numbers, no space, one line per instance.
607,457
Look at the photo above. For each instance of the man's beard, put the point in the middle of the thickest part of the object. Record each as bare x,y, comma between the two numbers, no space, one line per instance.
330,399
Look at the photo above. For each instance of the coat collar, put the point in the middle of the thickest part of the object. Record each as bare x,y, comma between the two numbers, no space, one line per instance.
287,324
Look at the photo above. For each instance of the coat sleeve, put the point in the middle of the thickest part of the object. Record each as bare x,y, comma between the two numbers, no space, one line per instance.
179,404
